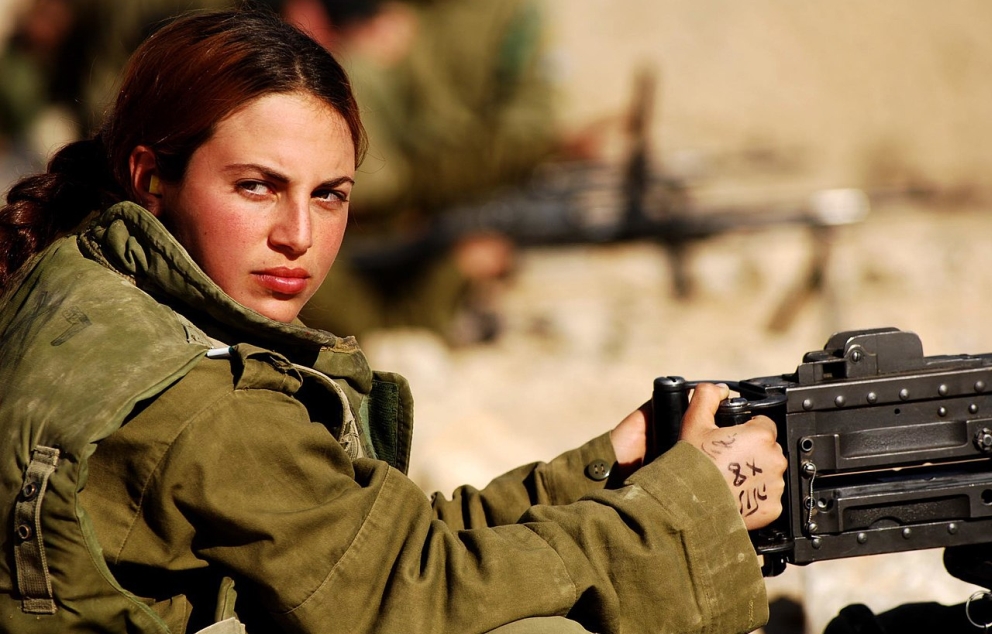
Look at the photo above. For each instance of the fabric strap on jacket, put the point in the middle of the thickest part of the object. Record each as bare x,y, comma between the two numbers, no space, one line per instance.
33,580
387,415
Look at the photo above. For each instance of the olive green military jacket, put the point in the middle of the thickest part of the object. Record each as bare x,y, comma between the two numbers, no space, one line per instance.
229,447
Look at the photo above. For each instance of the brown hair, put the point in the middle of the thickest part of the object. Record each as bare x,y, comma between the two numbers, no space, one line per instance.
179,84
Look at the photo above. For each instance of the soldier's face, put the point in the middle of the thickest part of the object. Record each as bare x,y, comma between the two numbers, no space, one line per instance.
264,203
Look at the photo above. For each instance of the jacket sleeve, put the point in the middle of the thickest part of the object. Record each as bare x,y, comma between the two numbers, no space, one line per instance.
323,544
563,480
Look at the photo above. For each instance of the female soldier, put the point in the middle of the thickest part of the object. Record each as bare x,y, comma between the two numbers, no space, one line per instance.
199,435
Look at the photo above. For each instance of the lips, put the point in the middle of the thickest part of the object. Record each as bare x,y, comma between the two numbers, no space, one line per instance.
283,281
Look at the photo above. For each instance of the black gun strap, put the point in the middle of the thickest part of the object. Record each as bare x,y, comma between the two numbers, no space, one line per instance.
33,579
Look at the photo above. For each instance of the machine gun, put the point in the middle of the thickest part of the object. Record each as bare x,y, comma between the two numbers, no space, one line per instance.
888,450
583,202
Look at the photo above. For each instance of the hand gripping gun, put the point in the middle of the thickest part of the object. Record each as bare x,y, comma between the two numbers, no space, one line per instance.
888,450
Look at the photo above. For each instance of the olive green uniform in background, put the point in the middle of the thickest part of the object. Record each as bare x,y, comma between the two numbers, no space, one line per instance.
468,110
81,72
267,462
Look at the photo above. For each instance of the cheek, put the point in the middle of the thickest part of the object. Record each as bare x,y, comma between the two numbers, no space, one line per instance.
216,218
328,243
213,234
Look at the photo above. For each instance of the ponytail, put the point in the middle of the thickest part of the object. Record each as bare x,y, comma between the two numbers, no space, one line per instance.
42,207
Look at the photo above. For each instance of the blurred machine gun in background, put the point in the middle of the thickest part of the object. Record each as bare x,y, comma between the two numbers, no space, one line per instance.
574,203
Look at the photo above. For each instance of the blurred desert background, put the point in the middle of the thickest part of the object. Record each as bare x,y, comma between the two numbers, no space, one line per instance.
756,101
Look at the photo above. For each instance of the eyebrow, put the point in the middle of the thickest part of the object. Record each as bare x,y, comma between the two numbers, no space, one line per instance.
282,178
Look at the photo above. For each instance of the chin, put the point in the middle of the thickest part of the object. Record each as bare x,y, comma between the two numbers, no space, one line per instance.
283,308
284,317
278,312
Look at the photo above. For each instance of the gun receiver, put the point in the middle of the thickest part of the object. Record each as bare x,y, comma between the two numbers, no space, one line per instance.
888,450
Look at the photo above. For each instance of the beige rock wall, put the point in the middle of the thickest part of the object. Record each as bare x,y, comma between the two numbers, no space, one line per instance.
852,91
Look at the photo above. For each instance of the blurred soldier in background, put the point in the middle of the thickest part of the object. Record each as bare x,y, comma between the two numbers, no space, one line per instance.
458,101
41,71
60,63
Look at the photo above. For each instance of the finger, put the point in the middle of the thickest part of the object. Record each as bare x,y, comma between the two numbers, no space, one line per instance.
764,424
706,397
763,433
699,416
629,438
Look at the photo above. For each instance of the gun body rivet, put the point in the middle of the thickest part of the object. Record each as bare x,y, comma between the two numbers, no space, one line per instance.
809,469
980,386
904,394
816,543
942,390
807,404
941,411
862,538
907,533
973,408
872,397
839,401
952,528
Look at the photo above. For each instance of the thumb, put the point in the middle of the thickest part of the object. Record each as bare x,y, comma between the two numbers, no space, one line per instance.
700,415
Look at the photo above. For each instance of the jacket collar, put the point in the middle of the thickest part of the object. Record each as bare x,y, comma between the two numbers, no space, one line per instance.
130,240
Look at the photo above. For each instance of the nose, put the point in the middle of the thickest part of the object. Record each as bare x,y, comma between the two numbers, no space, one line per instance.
291,232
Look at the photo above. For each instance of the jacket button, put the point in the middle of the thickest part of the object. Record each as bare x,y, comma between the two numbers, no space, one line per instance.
598,470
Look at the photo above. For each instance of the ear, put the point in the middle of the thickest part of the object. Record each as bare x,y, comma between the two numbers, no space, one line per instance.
145,180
